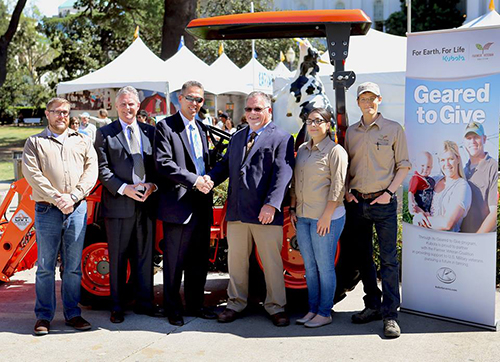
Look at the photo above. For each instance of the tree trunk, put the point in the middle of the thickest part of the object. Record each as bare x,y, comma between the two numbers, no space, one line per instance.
178,14
6,38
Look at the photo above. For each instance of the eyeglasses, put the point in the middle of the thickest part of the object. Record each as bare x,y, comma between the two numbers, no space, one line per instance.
367,100
193,99
59,113
316,122
75,123
256,109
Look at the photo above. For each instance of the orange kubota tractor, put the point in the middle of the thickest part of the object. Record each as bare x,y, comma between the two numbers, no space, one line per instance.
18,235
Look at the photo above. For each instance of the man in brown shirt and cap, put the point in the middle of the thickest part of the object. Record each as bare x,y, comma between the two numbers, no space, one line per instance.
60,165
378,164
481,172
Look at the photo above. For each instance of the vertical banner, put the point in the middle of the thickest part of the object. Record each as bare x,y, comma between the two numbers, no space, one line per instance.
452,114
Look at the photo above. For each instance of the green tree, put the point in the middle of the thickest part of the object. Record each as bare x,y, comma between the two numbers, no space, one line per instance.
176,17
239,51
76,41
100,32
425,15
8,35
25,83
117,20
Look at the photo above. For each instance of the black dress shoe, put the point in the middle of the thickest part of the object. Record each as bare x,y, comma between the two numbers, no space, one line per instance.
204,313
176,319
117,316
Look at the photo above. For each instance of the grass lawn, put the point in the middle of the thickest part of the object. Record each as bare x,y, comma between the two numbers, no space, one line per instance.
12,138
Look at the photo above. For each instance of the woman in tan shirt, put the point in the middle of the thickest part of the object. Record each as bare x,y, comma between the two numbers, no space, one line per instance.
318,212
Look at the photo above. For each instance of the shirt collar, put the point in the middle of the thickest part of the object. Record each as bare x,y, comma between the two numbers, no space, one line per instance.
124,125
59,137
259,131
378,121
320,146
187,122
481,163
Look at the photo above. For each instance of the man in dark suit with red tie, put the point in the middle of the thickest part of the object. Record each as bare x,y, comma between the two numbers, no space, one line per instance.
185,205
126,170
259,163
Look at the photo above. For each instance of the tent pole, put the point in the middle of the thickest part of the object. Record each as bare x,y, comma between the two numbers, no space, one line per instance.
167,98
215,103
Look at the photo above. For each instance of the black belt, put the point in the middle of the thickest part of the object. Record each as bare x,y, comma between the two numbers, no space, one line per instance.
369,196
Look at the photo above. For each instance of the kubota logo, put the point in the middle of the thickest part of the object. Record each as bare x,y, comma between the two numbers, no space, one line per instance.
446,275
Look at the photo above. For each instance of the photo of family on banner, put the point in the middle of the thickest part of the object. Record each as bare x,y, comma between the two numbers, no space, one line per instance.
452,114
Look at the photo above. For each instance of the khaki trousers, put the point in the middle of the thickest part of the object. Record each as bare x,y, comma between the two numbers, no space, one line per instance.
268,240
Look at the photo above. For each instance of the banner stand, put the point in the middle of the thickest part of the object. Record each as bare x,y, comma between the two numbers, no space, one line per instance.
449,253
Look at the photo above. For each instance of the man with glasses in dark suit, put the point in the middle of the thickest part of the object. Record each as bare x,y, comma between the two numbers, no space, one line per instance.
259,163
182,159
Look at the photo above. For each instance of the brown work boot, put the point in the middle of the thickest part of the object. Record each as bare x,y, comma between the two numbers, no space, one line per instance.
42,327
228,316
78,323
280,319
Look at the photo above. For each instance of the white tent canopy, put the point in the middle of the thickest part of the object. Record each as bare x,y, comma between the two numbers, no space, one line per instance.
281,71
227,76
375,52
137,66
257,77
489,19
184,66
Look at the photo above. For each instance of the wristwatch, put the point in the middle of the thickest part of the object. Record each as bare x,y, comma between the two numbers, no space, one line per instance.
389,192
74,198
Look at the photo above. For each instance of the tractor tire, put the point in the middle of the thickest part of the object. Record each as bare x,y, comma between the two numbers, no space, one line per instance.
95,290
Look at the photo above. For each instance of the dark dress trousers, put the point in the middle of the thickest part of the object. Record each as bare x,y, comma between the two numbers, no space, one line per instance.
186,214
129,226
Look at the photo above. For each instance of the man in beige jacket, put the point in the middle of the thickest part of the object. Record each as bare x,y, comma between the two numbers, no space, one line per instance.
60,165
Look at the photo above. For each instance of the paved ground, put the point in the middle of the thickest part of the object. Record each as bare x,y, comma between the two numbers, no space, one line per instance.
252,338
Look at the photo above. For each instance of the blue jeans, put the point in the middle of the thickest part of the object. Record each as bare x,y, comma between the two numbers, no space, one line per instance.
362,217
318,253
65,233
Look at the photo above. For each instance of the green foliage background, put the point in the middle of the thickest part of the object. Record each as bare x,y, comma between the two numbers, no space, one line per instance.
425,15
28,52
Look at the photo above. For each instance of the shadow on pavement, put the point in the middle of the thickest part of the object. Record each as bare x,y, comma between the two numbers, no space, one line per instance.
17,302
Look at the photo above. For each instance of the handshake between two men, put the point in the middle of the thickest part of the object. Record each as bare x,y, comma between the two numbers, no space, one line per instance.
204,184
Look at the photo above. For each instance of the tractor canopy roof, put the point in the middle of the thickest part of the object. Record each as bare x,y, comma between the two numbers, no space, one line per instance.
278,24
